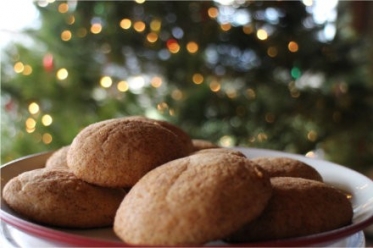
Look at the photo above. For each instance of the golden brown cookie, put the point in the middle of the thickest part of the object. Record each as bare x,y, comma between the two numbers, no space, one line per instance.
118,152
57,161
192,200
59,198
200,144
221,150
297,207
287,167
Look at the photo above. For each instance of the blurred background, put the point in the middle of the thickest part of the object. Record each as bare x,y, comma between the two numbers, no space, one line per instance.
295,76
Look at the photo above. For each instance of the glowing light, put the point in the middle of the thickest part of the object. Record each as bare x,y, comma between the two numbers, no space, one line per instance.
152,37
197,78
106,82
125,23
140,1
155,25
33,108
213,12
18,67
215,86
62,74
162,106
308,2
250,93
226,141
247,29
46,120
122,86
66,35
70,19
173,46
156,82
262,137
293,46
225,26
139,26
262,34
272,51
231,93
177,95
63,8
30,123
295,72
192,47
96,28
47,138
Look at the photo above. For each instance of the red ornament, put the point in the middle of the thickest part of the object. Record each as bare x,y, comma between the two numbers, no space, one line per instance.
48,62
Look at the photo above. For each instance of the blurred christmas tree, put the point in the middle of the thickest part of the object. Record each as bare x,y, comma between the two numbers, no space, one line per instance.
277,75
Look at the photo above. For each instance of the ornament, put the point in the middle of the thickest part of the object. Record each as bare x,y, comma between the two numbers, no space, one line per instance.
48,62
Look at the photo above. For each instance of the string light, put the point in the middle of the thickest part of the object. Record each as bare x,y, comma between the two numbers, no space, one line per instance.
272,51
18,67
70,19
139,26
197,78
215,86
155,25
262,34
177,95
122,86
293,46
152,37
212,12
47,138
106,82
173,46
312,135
46,120
225,26
63,8
248,29
125,23
66,35
62,74
30,123
192,47
156,82
96,28
33,108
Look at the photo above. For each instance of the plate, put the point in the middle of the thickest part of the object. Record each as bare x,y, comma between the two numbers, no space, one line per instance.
359,186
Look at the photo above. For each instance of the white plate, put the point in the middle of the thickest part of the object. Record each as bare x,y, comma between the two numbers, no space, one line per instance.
360,187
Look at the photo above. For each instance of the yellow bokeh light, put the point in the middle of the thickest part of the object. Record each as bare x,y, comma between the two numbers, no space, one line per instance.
215,86
27,70
226,141
293,46
18,67
139,26
122,86
47,138
63,8
46,120
62,74
96,28
272,51
312,135
173,46
197,78
213,12
140,1
66,35
33,108
70,19
106,82
177,95
231,93
262,34
156,82
125,23
30,123
225,26
155,25
192,47
152,37
250,93
247,29
262,137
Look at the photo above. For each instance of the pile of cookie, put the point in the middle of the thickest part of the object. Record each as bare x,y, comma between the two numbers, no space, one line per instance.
154,185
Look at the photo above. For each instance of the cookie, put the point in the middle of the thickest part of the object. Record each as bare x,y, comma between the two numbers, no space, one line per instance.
298,207
200,144
118,152
59,198
192,200
287,167
58,161
220,150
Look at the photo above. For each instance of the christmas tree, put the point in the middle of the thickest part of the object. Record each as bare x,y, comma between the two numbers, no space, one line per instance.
269,74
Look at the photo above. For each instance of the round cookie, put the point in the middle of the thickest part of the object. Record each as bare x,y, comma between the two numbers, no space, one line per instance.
58,161
200,144
298,207
220,150
59,198
118,152
192,200
287,167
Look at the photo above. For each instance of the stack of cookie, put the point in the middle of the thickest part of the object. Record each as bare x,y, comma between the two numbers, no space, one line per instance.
156,186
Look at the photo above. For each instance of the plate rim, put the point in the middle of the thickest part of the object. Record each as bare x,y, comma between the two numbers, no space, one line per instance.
56,235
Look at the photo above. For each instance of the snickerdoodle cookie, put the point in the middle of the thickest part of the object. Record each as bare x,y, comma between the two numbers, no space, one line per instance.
118,152
287,167
192,200
200,144
297,207
220,150
59,198
57,161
